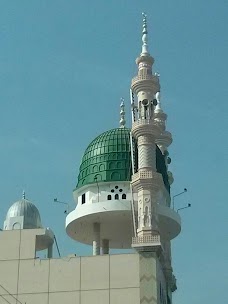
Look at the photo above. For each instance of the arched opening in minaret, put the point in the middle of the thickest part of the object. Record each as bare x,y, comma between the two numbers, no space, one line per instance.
124,196
116,196
109,197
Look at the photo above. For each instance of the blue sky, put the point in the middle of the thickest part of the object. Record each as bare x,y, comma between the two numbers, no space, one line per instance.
64,66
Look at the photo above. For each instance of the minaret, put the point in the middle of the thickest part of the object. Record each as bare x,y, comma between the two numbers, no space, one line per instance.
164,138
157,224
146,182
163,141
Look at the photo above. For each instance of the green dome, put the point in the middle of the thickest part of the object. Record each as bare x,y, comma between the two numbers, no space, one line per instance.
107,158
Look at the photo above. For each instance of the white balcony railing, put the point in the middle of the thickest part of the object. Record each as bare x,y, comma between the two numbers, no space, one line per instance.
147,239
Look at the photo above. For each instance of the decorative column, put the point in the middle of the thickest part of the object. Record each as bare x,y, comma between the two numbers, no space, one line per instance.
96,241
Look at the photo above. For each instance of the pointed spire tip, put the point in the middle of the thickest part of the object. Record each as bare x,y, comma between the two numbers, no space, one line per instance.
144,23
144,35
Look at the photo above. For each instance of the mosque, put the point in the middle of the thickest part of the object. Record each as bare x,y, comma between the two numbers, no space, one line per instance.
122,200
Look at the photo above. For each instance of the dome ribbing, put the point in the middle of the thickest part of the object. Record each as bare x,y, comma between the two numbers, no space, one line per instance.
107,158
28,210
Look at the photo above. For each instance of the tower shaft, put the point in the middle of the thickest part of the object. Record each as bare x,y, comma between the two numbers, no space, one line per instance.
146,181
156,222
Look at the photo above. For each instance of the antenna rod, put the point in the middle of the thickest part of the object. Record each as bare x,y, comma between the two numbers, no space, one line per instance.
98,190
133,211
132,106
188,206
132,154
185,190
57,201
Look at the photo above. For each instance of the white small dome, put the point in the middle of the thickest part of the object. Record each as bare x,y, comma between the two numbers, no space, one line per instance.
26,209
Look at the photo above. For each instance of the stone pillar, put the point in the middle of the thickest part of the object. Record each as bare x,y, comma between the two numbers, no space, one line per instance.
96,237
105,246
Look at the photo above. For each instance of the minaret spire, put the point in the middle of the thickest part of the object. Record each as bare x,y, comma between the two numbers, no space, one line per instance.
23,194
147,182
122,114
163,138
145,50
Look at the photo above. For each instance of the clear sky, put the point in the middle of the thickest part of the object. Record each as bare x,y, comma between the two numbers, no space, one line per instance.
64,66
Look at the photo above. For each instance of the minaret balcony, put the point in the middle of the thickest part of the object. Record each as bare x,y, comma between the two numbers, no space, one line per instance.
146,174
145,82
147,178
160,118
144,126
147,243
145,59
164,139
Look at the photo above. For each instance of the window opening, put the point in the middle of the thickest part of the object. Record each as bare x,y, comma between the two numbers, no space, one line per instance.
116,196
83,198
109,197
124,196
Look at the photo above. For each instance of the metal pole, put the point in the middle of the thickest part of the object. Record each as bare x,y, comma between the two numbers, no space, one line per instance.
132,197
132,106
185,190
